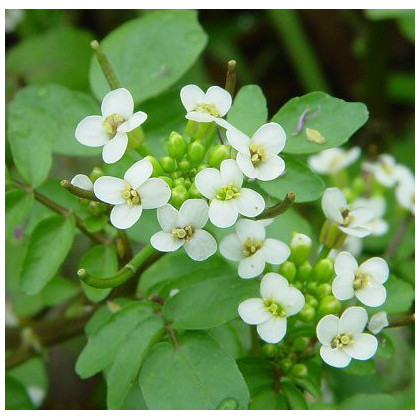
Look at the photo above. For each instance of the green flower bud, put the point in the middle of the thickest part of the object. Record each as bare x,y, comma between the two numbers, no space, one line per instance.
307,313
288,270
323,271
329,305
168,163
168,180
310,300
323,290
135,138
178,195
179,181
175,175
184,165
285,364
331,236
299,285
96,173
187,183
299,370
300,246
157,168
193,191
269,350
311,287
202,166
301,343
177,145
304,271
218,154
196,151
200,130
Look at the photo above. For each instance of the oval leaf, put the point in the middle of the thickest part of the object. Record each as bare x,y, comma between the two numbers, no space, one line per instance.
17,205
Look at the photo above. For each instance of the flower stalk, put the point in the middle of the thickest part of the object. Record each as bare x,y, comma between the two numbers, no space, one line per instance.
231,77
279,208
108,71
79,192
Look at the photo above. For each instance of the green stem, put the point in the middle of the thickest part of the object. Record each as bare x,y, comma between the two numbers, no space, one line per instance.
399,236
324,253
79,192
231,77
402,321
108,71
279,208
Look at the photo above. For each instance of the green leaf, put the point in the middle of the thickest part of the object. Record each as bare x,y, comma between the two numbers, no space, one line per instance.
370,402
107,340
58,290
17,205
151,53
295,397
400,296
268,399
129,359
209,303
16,396
197,374
48,246
258,374
297,178
249,110
361,367
335,119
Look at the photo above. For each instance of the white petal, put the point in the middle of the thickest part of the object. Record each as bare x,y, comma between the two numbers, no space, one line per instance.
118,101
378,322
360,216
166,242
208,182
273,286
327,329
272,136
353,320
250,203
334,357
251,266
223,123
91,132
253,312
342,286
135,121
201,246
191,96
194,212
358,232
231,174
154,193
238,140
271,168
363,348
377,268
115,148
220,98
272,330
124,216
253,229
138,173
83,182
109,188
167,216
275,251
200,116
231,247
245,165
345,264
373,295
378,227
223,214
292,301
333,204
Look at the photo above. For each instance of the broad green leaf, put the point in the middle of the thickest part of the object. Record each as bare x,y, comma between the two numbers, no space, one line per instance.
107,340
370,402
58,290
297,178
150,53
249,110
400,296
17,205
258,374
16,395
335,119
197,374
268,399
48,246
209,303
294,396
128,360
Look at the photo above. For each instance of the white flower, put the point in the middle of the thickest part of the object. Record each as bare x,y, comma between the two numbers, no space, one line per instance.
258,156
405,191
350,221
206,107
184,228
377,226
331,161
384,170
343,338
12,18
228,199
110,129
378,322
250,246
137,191
364,282
353,245
83,182
279,301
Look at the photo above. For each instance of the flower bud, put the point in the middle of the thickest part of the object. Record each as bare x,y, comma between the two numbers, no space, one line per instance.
184,165
218,154
300,247
135,138
285,364
96,173
168,163
311,287
323,290
331,236
200,130
323,271
178,195
196,152
175,175
288,270
301,343
177,145
307,313
202,166
304,271
193,191
179,181
269,350
157,168
310,300
299,370
329,305
168,180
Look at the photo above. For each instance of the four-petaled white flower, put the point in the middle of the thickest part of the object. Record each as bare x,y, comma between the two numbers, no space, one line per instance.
227,197
278,301
250,246
378,322
343,338
258,156
82,181
184,228
405,191
137,191
364,282
351,221
384,169
331,161
110,130
206,107
377,226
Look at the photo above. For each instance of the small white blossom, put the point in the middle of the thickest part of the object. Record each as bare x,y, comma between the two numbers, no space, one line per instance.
82,181
343,338
137,191
378,322
384,170
351,221
364,282
331,161
110,129
377,226
227,197
405,191
250,247
206,107
258,156
184,228
278,301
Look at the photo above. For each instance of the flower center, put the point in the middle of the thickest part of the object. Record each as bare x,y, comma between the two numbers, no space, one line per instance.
341,340
227,193
258,154
274,308
183,233
361,280
208,109
131,196
112,122
250,247
387,168
346,217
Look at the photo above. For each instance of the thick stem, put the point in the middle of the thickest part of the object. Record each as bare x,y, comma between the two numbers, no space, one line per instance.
401,321
399,236
231,77
108,71
79,192
279,208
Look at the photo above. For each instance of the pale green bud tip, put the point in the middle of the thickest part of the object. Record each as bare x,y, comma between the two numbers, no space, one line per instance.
65,183
81,273
300,239
94,44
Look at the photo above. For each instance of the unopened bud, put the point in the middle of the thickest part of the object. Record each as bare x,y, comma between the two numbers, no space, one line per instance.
300,247
168,163
301,343
157,168
177,145
184,165
196,152
193,191
200,130
96,173
285,364
307,313
179,194
269,350
288,270
299,370
323,290
179,181
323,271
312,301
329,305
168,180
304,271
218,154
331,236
